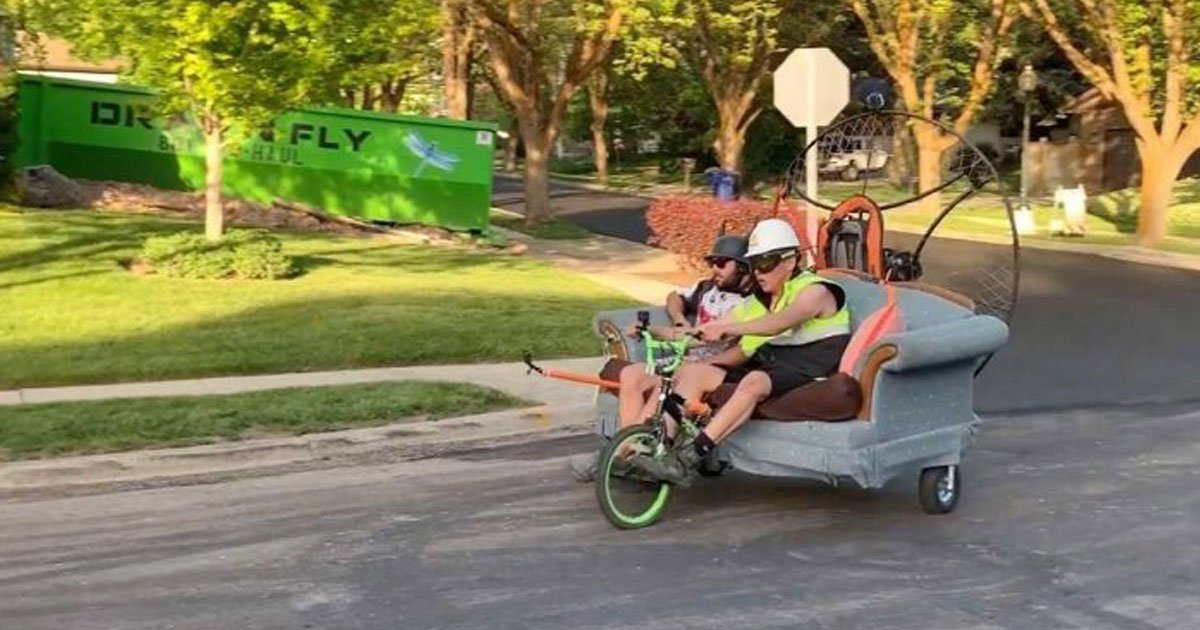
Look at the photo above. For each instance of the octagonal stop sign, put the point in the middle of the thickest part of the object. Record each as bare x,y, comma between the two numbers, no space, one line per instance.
811,86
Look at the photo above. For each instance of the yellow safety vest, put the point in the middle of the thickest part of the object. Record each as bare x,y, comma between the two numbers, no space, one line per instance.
814,329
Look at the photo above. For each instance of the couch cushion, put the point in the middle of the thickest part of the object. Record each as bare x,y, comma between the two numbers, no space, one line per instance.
836,398
775,435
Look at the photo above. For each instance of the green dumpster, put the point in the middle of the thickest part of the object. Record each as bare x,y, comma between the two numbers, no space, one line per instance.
372,166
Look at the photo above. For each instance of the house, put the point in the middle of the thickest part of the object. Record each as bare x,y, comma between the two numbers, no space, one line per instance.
1098,150
53,58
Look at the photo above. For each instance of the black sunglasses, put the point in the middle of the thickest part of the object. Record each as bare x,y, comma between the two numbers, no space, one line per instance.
768,262
718,261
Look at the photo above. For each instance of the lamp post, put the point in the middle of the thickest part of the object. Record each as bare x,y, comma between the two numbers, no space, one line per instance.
1027,83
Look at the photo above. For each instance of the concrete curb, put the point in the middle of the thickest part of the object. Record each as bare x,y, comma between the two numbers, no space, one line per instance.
209,463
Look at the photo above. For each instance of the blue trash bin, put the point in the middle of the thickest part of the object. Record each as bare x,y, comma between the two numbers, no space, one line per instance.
723,183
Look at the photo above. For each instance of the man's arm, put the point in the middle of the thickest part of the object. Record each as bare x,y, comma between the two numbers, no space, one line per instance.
676,309
727,358
814,301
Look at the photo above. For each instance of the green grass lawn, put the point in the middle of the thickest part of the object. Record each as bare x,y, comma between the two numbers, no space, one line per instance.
30,431
1112,218
72,314
553,229
630,176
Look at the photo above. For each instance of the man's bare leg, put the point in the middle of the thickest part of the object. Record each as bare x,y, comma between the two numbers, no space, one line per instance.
680,467
694,380
751,390
635,385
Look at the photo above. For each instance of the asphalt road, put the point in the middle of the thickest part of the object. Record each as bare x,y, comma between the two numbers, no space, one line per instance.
1082,521
1089,331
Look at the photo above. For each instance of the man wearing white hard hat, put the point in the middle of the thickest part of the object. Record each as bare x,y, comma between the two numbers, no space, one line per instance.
792,331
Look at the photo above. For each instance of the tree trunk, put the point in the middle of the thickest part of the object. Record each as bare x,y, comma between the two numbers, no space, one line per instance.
537,176
348,93
510,148
391,94
1158,179
900,165
456,58
598,99
214,175
731,140
930,147
368,97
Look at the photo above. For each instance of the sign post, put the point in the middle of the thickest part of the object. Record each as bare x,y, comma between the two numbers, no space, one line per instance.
811,87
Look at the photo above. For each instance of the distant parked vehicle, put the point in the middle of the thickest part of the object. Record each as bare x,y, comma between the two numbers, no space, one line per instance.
851,157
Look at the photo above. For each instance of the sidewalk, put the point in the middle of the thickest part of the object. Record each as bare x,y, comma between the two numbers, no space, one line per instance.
567,409
133,470
510,378
645,273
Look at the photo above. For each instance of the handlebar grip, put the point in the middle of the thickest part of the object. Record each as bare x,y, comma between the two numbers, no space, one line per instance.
643,319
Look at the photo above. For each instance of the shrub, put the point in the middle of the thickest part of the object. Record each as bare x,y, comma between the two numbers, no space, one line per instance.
245,254
687,225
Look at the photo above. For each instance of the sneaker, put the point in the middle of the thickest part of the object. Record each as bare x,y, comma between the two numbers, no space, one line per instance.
677,467
584,467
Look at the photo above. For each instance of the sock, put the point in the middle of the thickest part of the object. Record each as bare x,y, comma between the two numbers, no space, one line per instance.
703,444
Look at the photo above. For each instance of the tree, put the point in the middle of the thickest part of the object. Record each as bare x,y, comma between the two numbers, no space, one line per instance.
643,43
458,45
8,91
1140,55
670,104
597,93
382,49
731,45
942,56
231,65
541,53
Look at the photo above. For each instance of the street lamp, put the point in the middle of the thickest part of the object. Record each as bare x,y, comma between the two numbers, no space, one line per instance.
1027,83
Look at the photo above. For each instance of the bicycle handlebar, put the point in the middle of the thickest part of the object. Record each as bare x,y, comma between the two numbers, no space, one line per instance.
675,349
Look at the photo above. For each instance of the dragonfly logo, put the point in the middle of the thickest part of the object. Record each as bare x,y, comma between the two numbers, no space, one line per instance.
429,154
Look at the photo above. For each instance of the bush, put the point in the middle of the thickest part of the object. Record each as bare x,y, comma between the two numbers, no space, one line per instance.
245,254
687,225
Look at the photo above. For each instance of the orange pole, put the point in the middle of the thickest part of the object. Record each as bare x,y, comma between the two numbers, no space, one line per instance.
586,379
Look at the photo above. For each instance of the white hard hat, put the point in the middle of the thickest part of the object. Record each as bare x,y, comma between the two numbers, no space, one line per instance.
771,235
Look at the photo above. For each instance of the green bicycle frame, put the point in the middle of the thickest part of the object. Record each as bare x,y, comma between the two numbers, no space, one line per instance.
657,350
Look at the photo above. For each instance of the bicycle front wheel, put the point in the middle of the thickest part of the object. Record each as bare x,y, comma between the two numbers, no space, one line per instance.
628,499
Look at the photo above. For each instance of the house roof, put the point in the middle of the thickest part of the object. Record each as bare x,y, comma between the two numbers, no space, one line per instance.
55,55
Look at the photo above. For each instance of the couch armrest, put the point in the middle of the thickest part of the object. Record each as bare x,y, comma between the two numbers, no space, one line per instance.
622,318
611,325
868,372
959,340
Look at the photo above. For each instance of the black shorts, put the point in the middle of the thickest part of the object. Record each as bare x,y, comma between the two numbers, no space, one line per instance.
790,367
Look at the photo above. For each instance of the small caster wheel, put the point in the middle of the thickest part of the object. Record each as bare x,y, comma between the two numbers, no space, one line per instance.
939,489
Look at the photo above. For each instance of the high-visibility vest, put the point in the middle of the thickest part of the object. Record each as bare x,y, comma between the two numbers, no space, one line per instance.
808,331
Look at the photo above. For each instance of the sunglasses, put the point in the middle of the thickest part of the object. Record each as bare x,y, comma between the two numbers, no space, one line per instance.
768,262
718,261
